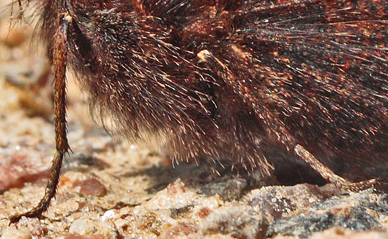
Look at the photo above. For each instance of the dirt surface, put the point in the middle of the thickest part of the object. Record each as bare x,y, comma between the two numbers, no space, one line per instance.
114,189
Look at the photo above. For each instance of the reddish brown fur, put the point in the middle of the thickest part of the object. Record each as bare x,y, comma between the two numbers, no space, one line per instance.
237,80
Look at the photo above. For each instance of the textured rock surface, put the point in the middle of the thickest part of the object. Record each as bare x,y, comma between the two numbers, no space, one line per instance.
111,189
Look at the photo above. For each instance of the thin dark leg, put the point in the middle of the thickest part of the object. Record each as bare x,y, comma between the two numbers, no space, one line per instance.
62,146
329,175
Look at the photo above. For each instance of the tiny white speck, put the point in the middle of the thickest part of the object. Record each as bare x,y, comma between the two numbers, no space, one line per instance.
107,215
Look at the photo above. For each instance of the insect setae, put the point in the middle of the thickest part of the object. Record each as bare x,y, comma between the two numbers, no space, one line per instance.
228,79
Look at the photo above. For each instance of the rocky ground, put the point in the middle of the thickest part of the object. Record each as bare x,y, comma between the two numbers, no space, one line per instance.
114,189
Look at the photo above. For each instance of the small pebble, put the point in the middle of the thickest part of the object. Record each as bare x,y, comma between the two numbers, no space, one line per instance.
92,186
13,233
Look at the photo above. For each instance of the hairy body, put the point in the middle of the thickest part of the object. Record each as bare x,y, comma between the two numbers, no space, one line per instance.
237,80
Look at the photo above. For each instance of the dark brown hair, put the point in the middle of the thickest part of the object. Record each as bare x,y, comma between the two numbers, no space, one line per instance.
229,79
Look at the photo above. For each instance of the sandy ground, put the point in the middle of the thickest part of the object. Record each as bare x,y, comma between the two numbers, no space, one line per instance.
114,189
